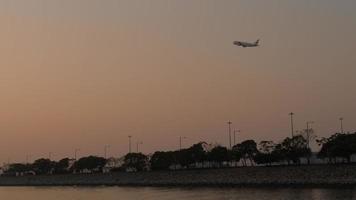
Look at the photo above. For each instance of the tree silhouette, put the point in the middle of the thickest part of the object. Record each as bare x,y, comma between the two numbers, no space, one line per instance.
92,163
265,155
338,145
18,168
137,161
292,149
247,149
219,155
162,160
62,166
43,166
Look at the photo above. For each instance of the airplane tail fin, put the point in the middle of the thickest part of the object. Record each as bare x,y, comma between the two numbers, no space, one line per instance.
257,41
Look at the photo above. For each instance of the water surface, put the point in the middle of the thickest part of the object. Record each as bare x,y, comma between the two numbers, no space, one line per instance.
148,193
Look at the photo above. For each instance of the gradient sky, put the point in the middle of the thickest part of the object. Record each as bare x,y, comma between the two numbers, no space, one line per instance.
86,73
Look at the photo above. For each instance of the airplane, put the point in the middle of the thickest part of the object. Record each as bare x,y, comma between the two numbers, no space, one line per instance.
247,44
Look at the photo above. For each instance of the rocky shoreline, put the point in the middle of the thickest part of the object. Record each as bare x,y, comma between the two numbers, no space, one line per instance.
315,175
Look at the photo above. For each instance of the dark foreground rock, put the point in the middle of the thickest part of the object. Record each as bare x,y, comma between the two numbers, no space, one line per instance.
331,175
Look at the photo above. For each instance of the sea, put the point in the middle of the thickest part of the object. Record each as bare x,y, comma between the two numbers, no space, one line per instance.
173,193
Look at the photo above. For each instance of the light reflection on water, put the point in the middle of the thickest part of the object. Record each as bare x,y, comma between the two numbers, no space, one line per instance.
159,193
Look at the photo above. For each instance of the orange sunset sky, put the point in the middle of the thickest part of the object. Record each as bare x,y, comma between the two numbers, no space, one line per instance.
88,73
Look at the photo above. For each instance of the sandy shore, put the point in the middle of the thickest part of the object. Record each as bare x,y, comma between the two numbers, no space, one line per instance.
331,175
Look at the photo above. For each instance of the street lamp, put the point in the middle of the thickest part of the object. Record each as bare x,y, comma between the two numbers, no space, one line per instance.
137,145
341,125
292,123
308,133
229,124
236,131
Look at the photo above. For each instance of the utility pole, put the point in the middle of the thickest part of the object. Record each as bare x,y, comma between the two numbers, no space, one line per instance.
106,147
236,131
229,124
308,133
49,155
180,142
341,125
137,145
292,123
130,143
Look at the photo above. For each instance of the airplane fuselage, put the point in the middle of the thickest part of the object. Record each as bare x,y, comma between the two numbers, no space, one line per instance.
246,44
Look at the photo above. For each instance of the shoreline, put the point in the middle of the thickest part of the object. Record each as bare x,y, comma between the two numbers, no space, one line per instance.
263,186
314,176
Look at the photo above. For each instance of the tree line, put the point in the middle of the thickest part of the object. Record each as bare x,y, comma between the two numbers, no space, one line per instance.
290,151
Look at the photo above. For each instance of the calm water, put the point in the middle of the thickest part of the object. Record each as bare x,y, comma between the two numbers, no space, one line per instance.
123,193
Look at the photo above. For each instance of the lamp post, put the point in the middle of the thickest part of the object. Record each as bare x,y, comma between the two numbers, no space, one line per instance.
292,123
308,133
229,126
236,131
137,145
341,125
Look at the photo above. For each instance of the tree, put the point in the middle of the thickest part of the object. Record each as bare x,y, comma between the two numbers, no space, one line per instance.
62,166
292,149
247,150
18,168
137,161
279,153
161,160
219,155
338,145
235,154
184,157
265,155
308,134
197,153
43,166
92,163
188,157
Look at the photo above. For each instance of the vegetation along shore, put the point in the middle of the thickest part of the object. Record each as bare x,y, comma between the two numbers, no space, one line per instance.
289,162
